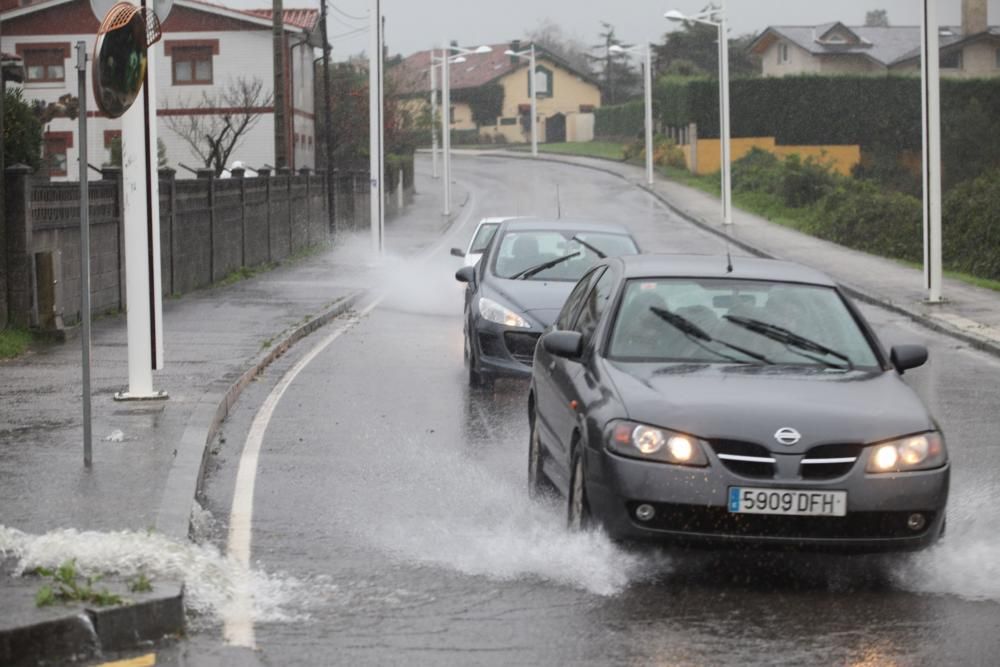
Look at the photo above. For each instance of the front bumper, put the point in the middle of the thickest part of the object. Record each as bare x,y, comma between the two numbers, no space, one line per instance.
691,507
504,351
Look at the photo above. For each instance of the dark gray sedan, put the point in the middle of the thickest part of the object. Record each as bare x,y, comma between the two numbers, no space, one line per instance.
520,284
697,400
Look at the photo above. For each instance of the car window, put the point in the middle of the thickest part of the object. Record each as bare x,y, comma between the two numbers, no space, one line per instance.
483,237
520,251
594,305
575,298
810,311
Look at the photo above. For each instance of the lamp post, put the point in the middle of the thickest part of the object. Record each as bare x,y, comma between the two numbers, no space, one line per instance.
647,83
532,92
931,98
446,59
434,103
716,16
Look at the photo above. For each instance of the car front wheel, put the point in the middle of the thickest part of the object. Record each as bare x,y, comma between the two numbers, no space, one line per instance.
539,485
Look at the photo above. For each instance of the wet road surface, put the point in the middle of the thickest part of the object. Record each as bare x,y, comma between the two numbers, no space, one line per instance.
392,518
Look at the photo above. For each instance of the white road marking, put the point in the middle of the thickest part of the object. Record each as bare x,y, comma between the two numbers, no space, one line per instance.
238,628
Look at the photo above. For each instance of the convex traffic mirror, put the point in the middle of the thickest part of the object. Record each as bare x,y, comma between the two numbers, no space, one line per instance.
120,57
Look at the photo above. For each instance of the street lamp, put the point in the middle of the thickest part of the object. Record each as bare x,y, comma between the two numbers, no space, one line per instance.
648,90
446,59
716,16
530,55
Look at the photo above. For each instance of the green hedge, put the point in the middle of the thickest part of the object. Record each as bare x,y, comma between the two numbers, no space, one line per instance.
623,122
971,227
862,110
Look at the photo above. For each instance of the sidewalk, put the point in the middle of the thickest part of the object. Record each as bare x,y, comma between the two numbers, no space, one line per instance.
148,455
969,313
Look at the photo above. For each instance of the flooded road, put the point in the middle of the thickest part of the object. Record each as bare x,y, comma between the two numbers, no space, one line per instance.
391,507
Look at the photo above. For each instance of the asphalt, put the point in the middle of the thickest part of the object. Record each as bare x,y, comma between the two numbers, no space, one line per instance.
148,456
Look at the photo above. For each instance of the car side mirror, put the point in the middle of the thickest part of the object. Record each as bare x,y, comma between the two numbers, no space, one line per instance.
565,344
905,357
458,252
466,274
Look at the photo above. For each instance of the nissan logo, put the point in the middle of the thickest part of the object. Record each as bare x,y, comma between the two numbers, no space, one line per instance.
787,436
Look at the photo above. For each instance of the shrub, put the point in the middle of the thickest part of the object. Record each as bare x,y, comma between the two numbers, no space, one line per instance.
971,224
757,171
22,131
796,182
622,121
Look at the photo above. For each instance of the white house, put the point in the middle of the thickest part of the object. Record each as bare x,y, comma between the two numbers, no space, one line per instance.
205,50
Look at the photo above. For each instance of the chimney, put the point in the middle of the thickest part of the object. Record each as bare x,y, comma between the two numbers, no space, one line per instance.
515,46
974,17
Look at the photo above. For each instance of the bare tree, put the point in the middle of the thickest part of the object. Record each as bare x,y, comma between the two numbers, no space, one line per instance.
219,123
877,18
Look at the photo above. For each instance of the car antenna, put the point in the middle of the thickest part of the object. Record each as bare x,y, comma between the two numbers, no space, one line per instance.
729,260
558,204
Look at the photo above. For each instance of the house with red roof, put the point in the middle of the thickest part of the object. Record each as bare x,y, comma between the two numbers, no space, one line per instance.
490,94
207,51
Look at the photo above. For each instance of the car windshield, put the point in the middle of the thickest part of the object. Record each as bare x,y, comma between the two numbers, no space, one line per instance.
727,321
520,252
483,237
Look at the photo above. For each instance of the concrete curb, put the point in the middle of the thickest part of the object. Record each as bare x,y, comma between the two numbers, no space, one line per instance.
87,632
184,480
941,326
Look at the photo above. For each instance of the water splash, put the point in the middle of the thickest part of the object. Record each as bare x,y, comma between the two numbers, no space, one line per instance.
209,577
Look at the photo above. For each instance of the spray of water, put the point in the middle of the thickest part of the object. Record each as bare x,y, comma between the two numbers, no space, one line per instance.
209,577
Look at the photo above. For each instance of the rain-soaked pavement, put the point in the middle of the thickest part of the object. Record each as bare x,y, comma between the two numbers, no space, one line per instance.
392,519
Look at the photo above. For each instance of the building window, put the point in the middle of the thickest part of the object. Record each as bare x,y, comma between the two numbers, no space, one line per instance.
586,108
192,65
543,82
508,121
782,53
44,64
951,60
56,145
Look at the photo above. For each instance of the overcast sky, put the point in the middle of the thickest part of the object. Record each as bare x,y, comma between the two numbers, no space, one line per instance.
412,25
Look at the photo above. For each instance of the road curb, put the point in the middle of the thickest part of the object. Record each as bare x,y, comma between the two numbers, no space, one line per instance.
88,632
941,326
186,474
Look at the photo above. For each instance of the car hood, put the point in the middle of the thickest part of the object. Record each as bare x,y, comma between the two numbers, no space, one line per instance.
750,403
540,299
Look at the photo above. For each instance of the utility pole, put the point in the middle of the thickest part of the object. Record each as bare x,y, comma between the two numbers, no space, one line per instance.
327,122
278,43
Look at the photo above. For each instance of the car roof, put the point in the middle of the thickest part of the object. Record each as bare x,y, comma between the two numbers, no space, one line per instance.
715,266
503,218
547,224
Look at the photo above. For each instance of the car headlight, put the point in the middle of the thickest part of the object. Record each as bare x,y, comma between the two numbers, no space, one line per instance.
494,312
656,444
915,452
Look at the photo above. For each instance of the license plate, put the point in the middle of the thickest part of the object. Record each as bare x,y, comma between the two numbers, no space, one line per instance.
747,500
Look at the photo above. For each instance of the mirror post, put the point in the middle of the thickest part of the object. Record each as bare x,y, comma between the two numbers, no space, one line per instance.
81,72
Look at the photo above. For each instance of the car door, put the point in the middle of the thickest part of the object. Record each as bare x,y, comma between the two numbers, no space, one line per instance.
569,391
545,394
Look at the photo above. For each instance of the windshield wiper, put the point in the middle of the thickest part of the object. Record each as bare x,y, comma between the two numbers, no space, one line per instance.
792,340
589,247
527,273
700,336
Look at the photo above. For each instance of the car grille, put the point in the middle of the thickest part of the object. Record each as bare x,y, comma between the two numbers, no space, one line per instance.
521,345
747,459
829,461
719,521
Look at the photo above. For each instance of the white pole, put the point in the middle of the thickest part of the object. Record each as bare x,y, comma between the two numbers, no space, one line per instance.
648,84
153,204
931,98
727,190
534,104
434,136
375,157
446,128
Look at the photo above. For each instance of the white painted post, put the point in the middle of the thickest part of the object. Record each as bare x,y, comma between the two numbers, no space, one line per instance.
399,191
727,188
931,99
534,104
81,69
376,159
434,136
648,83
446,127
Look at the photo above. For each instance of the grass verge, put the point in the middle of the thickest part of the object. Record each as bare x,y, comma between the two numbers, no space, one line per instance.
13,342
609,150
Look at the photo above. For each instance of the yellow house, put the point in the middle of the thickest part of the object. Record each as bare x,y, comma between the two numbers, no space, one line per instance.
498,85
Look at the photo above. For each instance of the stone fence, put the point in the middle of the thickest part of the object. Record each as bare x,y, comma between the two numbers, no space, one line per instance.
209,229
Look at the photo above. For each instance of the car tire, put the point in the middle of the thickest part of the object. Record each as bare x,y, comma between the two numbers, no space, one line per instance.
539,486
578,517
477,379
